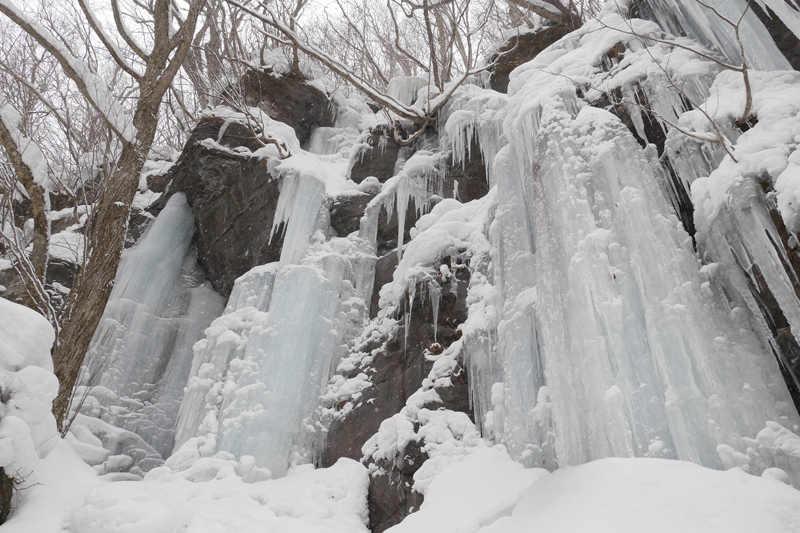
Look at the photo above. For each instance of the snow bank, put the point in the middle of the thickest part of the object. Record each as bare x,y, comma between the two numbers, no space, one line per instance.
25,338
472,493
304,501
127,507
213,495
28,387
653,495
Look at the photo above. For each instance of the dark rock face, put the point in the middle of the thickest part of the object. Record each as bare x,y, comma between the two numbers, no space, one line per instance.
233,199
58,272
391,497
377,158
288,99
346,212
396,372
787,42
384,271
521,49
400,366
787,345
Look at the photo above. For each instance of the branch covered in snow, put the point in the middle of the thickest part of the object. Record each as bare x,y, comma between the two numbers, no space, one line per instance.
89,83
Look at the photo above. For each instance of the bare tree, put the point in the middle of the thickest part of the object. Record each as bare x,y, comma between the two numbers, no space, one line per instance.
150,67
444,25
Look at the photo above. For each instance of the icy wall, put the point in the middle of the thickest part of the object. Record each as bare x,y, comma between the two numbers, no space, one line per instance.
627,287
140,355
612,337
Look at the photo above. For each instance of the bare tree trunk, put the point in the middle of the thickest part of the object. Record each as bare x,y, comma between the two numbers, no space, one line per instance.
40,231
88,298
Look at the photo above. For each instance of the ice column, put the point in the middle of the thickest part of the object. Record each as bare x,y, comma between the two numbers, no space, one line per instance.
141,352
281,373
638,357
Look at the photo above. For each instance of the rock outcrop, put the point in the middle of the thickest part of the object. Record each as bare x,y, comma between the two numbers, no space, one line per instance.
521,49
231,193
233,198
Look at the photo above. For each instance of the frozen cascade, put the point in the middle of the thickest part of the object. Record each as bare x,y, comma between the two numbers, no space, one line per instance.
140,354
612,340
645,377
257,376
225,339
284,367
702,25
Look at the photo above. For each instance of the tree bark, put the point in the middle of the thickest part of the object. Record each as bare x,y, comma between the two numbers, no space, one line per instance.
39,207
87,300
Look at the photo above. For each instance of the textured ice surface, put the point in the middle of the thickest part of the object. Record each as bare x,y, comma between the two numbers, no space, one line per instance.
600,334
140,355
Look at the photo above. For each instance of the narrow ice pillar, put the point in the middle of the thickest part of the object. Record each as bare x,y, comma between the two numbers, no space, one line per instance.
282,371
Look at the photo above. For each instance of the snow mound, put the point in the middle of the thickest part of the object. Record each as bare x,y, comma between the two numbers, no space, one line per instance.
28,385
25,338
495,485
653,495
127,507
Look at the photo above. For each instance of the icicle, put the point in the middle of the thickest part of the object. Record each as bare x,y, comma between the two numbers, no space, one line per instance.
410,294
404,191
435,292
404,88
298,207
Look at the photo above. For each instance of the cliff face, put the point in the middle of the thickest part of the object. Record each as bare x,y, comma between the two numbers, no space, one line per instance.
569,280
234,197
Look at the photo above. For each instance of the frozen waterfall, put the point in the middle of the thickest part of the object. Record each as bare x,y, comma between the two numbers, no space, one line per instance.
613,338
140,355
256,378
615,264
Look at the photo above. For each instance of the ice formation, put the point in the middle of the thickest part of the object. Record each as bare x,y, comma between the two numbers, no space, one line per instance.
596,349
611,266
140,355
257,376
404,88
